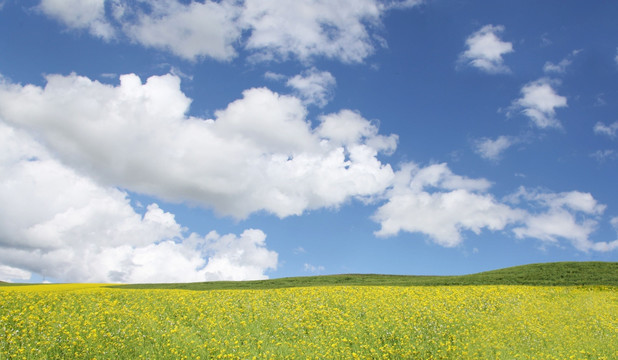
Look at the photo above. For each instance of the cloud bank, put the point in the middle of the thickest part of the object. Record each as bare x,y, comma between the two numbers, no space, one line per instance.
70,146
259,153
63,225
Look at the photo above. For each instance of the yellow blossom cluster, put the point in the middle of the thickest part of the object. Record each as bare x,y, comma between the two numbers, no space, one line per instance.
88,321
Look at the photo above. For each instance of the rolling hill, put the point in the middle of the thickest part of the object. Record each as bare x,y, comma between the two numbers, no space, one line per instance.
549,274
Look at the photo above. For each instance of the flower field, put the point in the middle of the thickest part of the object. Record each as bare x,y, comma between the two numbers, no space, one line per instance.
331,322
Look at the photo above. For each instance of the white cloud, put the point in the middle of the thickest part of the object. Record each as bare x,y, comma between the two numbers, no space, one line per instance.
485,50
189,31
313,269
604,155
539,102
348,128
308,28
440,204
568,215
608,130
259,153
60,224
313,86
274,76
272,30
232,257
10,274
435,202
402,4
560,67
550,67
80,14
492,149
600,100
545,40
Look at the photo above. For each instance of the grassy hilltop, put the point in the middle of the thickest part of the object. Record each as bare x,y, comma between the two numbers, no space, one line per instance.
552,274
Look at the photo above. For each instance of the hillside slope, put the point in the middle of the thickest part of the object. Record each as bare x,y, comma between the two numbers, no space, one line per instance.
550,274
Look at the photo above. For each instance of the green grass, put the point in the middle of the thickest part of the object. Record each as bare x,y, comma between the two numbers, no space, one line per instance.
548,274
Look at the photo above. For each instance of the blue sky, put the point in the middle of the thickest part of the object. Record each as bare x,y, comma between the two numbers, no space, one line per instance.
158,141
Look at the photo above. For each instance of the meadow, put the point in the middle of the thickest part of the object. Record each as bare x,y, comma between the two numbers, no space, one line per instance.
95,321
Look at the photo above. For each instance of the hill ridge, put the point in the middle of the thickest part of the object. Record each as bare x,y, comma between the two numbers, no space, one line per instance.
548,274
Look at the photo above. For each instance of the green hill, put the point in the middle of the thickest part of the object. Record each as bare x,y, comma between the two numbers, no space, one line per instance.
550,274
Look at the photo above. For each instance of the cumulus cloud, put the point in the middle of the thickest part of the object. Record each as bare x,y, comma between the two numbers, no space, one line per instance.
308,28
232,257
539,102
313,86
80,14
607,130
60,224
440,204
271,30
187,30
568,215
492,149
435,202
259,153
485,50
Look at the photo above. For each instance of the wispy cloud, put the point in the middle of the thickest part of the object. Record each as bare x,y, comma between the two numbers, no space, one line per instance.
299,250
274,76
313,269
607,130
604,155
485,50
561,66
492,149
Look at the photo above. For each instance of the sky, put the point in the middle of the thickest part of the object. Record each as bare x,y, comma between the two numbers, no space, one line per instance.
183,141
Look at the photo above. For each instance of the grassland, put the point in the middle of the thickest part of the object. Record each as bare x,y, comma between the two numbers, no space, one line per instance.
545,274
